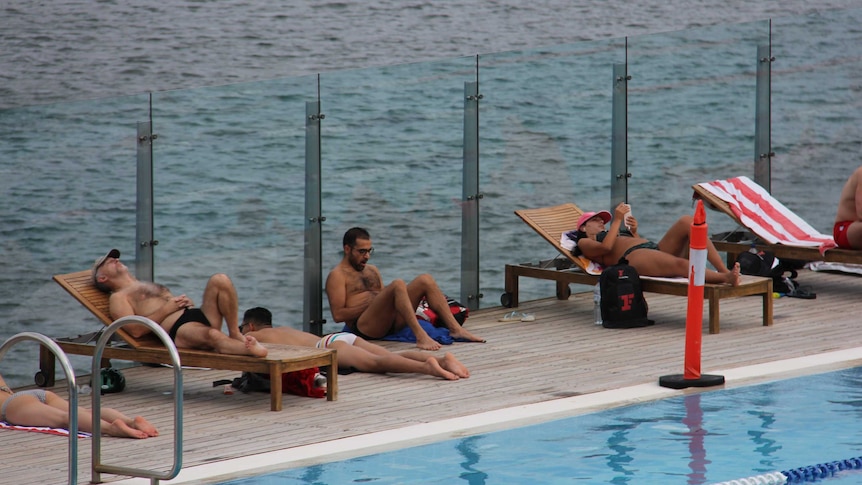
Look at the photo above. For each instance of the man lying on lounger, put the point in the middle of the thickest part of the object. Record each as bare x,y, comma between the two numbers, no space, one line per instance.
353,351
665,259
358,298
188,327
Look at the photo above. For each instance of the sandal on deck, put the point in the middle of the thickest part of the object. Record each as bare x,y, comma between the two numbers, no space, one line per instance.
517,317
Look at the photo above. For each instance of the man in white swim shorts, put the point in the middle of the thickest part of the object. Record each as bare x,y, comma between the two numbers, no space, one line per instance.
327,340
353,350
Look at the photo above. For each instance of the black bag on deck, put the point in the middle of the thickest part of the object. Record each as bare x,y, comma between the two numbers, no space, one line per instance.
623,303
759,263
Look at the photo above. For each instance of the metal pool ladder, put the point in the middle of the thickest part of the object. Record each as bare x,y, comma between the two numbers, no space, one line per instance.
97,466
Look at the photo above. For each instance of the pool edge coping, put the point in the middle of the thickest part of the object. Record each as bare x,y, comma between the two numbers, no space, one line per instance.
488,421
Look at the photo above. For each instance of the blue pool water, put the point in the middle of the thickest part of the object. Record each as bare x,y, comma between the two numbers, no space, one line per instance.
711,437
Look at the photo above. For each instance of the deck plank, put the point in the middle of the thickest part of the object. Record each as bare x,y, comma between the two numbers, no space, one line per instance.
560,354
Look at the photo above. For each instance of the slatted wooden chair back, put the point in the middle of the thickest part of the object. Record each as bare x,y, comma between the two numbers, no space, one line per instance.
80,286
552,222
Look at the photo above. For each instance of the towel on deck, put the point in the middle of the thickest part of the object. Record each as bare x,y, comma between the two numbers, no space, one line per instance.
42,429
768,218
840,267
441,335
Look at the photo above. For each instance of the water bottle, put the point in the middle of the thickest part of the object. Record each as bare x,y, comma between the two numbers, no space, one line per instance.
597,304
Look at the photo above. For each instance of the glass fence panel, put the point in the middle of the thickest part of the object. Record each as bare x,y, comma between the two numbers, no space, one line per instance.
691,118
545,139
229,182
816,111
392,149
68,185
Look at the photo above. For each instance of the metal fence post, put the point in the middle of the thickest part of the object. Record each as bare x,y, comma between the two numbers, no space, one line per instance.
312,302
470,294
762,120
144,204
619,142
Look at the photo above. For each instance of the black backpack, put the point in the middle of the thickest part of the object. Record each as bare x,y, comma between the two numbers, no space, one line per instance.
623,303
760,263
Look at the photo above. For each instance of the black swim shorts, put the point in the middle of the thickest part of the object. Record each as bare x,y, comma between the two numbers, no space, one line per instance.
189,315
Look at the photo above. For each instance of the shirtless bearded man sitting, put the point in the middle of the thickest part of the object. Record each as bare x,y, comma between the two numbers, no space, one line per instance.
188,327
358,298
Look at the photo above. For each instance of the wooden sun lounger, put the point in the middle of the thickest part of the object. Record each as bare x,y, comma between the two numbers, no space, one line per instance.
280,360
782,251
552,222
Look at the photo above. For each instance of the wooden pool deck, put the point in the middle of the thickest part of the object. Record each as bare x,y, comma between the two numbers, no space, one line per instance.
561,354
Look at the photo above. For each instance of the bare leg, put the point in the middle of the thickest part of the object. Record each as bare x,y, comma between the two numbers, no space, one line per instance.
196,335
138,422
220,302
649,262
729,278
676,242
29,411
448,361
424,285
393,304
368,357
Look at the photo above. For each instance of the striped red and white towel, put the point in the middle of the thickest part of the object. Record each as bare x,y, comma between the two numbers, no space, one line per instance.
766,217
43,429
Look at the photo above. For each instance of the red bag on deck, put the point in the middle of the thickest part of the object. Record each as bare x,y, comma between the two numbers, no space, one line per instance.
300,383
459,311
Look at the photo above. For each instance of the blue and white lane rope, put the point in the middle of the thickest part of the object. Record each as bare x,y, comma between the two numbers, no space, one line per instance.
805,474
771,478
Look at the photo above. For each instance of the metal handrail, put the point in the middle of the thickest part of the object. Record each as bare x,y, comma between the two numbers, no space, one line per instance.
73,392
97,466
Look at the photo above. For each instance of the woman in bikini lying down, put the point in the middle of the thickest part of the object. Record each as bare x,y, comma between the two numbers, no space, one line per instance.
38,407
668,258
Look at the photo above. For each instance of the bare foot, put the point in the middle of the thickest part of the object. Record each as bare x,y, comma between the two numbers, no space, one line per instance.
142,424
427,343
254,347
120,429
453,365
733,275
434,369
463,333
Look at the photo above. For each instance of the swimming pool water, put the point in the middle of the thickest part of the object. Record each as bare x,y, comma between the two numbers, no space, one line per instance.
701,438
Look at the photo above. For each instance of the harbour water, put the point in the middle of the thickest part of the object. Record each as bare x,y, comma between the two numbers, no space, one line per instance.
229,83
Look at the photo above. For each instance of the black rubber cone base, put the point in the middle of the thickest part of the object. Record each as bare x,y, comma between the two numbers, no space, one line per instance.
677,381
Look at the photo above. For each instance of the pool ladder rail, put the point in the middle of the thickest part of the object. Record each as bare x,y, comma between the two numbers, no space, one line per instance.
97,468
